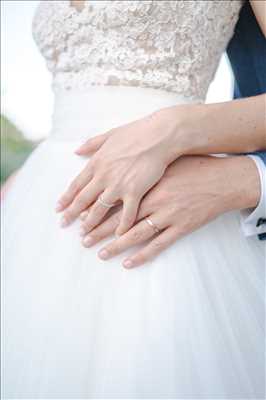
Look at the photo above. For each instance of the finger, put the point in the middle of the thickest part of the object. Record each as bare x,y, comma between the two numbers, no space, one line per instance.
84,215
74,188
92,145
98,211
129,214
145,210
86,197
138,234
102,231
155,247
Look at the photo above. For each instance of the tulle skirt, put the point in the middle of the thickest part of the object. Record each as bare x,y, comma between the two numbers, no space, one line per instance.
189,324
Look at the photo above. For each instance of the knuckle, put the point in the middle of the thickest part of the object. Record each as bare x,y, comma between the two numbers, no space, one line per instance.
117,247
95,237
91,165
172,210
98,211
158,244
79,203
64,201
99,236
74,186
137,235
87,224
68,215
66,197
71,213
83,215
86,227
141,259
112,250
185,227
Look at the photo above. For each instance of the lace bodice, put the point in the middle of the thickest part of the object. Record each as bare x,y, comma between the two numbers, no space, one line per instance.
170,45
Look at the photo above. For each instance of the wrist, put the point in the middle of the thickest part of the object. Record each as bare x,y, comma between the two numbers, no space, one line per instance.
240,182
196,129
180,124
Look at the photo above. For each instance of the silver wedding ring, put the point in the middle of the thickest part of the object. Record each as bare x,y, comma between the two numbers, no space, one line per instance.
154,227
104,204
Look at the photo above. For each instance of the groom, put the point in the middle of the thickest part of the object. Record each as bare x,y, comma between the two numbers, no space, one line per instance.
247,54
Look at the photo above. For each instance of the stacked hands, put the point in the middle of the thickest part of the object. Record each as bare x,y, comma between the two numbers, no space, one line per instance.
146,181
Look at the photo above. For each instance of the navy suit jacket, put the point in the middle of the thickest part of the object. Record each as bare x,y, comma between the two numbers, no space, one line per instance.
247,55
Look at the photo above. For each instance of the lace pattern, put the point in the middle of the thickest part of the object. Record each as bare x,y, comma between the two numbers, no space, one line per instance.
170,45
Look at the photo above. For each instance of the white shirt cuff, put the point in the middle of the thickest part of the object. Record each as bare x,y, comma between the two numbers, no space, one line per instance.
250,217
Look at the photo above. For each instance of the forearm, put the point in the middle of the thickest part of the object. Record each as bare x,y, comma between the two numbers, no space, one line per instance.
239,185
259,9
237,126
242,182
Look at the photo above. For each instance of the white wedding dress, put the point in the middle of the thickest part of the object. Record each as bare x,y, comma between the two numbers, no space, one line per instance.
189,324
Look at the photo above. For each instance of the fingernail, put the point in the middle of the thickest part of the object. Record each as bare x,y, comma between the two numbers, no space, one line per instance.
128,263
58,206
63,222
82,231
104,254
79,149
88,240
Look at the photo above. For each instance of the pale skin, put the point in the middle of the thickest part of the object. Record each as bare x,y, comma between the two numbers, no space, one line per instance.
193,191
157,140
150,145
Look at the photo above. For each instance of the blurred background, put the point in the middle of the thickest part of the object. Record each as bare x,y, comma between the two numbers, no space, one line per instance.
26,95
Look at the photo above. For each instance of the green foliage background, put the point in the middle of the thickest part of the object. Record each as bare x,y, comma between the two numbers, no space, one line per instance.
14,148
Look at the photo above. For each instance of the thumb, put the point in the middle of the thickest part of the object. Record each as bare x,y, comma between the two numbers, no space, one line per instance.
92,145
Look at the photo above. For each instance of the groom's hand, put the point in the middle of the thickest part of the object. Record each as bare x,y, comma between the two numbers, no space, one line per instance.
193,191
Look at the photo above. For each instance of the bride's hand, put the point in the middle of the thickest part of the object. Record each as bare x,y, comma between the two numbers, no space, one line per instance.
192,192
129,160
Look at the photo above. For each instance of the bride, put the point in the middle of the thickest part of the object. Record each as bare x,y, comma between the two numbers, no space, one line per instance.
187,323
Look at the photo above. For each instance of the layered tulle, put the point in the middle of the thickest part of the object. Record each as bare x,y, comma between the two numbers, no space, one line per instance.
189,324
